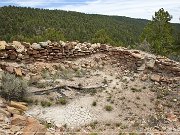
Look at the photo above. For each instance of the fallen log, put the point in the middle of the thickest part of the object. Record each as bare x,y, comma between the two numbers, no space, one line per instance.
59,89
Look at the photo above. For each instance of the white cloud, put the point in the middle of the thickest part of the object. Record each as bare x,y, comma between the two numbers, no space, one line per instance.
131,8
34,3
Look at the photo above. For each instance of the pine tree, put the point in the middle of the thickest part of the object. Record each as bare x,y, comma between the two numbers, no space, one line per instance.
158,32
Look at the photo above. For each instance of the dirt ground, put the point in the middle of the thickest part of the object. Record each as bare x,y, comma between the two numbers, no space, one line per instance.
119,100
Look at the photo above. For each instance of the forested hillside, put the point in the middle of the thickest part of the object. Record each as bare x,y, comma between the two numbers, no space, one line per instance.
29,24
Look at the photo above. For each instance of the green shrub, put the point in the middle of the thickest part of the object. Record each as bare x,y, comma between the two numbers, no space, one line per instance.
94,103
93,134
45,74
105,81
13,88
42,85
80,73
62,101
108,108
29,101
48,125
46,104
136,90
66,74
93,124
138,98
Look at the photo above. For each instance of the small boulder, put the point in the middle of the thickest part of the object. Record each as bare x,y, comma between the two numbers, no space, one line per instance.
3,45
95,46
6,113
137,55
18,46
19,120
18,71
62,43
27,45
171,117
13,110
84,48
144,77
103,47
36,46
18,105
34,128
14,129
44,44
155,78
10,69
150,61
20,56
49,42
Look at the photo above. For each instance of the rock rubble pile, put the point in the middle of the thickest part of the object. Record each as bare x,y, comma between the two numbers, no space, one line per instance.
58,51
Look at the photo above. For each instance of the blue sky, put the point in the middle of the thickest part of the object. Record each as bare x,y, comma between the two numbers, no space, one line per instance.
131,8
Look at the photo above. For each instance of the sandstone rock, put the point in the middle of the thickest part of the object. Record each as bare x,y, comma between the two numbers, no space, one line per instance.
18,46
13,110
2,101
18,105
137,55
78,47
34,128
44,44
49,42
103,47
2,117
27,45
18,71
10,47
142,67
12,55
144,77
36,46
62,43
155,77
171,117
71,46
10,69
3,45
14,129
20,56
19,120
6,113
84,48
150,62
49,133
95,46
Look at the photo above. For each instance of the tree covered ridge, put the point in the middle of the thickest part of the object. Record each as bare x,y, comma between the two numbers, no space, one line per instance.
21,22
34,25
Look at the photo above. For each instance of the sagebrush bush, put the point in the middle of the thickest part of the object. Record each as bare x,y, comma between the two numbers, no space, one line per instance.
13,88
108,108
62,101
46,103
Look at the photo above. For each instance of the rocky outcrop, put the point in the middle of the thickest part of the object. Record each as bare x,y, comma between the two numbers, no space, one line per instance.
33,127
14,121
